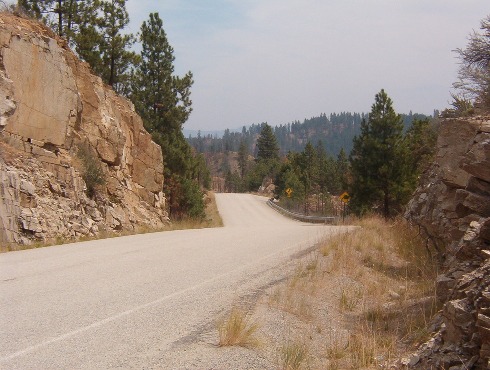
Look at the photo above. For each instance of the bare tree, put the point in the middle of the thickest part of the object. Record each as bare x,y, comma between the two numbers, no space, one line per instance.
473,85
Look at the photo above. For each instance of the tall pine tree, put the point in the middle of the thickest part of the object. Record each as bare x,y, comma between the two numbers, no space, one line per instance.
60,15
161,98
268,148
163,101
379,161
86,37
116,55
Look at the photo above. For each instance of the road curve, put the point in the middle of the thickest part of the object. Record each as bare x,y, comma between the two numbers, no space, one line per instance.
128,302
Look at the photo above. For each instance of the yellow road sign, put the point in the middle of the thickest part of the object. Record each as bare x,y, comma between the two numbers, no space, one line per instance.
345,197
289,191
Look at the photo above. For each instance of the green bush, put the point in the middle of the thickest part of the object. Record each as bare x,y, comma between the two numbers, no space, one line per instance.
92,172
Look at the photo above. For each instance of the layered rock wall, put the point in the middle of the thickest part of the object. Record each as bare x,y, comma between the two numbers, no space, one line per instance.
51,105
452,207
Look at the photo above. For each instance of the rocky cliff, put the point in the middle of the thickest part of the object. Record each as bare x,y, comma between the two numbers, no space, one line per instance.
51,108
452,207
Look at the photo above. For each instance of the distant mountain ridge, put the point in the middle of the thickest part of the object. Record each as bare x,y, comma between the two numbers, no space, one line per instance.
333,132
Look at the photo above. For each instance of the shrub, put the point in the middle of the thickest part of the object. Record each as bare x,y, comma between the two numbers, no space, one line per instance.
92,172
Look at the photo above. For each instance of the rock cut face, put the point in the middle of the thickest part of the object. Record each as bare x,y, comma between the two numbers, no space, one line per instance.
452,207
44,87
51,105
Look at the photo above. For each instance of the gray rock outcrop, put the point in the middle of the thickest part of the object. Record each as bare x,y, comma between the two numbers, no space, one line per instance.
452,207
50,106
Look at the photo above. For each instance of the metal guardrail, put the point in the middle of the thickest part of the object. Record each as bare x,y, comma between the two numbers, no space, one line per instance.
301,217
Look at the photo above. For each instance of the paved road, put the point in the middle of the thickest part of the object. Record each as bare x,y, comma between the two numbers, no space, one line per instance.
126,302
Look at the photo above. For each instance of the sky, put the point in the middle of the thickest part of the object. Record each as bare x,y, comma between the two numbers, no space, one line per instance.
278,61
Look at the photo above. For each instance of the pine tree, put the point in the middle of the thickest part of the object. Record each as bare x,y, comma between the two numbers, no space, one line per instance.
268,148
243,158
341,172
85,35
267,159
163,101
288,178
116,56
161,98
35,8
58,14
308,172
379,161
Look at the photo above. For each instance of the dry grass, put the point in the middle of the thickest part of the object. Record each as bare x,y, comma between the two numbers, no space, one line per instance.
238,330
350,297
293,356
295,297
390,292
361,301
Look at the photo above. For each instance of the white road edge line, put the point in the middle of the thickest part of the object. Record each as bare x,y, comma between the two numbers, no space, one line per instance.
141,307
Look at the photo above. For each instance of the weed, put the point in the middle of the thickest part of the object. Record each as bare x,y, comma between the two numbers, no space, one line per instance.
293,356
337,347
350,297
361,348
237,330
92,172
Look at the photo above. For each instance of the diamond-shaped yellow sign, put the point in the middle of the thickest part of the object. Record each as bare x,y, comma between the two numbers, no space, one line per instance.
288,192
345,197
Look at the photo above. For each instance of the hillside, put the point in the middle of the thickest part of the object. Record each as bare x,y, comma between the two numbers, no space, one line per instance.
334,132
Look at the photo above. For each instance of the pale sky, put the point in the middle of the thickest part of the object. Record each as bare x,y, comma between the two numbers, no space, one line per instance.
277,61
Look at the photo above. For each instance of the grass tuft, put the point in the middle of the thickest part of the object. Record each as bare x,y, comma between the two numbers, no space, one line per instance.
238,330
350,298
293,356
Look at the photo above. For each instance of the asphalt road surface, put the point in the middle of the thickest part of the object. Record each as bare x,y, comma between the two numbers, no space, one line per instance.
128,302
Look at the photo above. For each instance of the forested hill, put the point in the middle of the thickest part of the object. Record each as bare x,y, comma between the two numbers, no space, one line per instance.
335,132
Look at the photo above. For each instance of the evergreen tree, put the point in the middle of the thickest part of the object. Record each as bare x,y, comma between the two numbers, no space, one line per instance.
161,98
268,148
116,56
163,101
421,140
58,14
243,158
379,161
85,35
342,171
267,160
34,8
288,178
201,171
94,29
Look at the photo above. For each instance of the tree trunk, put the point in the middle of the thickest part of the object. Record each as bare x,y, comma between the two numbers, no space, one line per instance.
386,205
60,18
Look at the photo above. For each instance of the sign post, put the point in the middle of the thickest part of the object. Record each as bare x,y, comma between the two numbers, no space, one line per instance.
344,197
